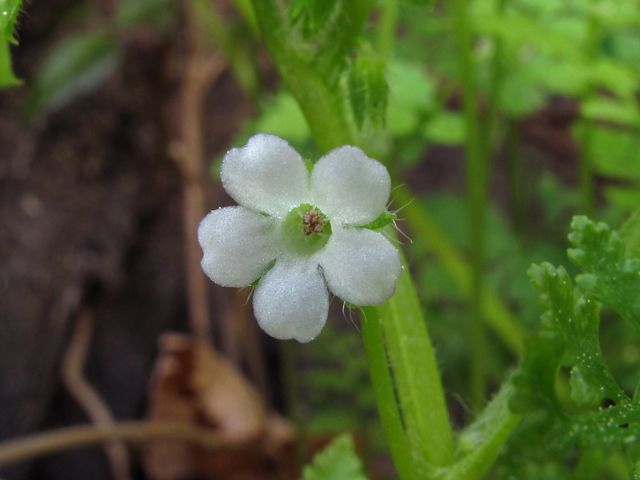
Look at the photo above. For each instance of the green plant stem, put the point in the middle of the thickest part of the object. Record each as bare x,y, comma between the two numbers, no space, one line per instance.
514,171
388,24
384,394
292,396
321,102
416,374
495,314
490,133
476,179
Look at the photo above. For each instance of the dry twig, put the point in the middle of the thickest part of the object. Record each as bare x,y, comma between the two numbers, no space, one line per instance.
90,401
36,445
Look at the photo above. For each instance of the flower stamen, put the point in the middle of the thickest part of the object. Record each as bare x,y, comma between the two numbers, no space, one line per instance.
313,222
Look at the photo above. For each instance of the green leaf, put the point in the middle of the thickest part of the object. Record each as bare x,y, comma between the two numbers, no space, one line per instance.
328,30
312,15
483,440
421,3
9,10
515,28
142,12
384,219
536,375
336,462
446,128
611,277
616,153
76,66
7,78
283,117
577,323
625,197
583,392
622,113
410,86
520,96
368,90
630,233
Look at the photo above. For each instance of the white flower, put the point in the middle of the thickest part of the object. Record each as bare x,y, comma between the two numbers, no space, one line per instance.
299,234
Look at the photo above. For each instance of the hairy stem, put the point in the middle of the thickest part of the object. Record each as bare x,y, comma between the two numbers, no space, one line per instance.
384,394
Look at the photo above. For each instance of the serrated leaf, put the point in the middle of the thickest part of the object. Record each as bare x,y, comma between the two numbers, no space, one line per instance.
313,15
9,10
611,277
368,90
336,462
578,323
328,30
7,78
76,66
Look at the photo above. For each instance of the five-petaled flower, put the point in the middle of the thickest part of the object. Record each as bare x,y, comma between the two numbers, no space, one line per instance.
300,233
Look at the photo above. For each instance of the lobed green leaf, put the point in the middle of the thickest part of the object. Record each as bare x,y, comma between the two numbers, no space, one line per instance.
612,278
336,462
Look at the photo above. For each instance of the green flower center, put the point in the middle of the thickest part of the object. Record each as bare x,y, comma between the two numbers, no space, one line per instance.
306,230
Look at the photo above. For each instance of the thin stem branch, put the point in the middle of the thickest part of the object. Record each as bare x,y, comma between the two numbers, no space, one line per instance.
515,173
32,446
88,398
291,392
387,27
202,69
587,183
476,179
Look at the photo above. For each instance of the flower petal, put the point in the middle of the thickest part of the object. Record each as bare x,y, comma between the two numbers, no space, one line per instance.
360,266
266,175
349,187
291,301
238,244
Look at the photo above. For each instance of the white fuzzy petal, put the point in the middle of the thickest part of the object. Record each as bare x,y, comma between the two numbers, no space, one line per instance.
349,187
360,266
291,301
266,175
238,244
